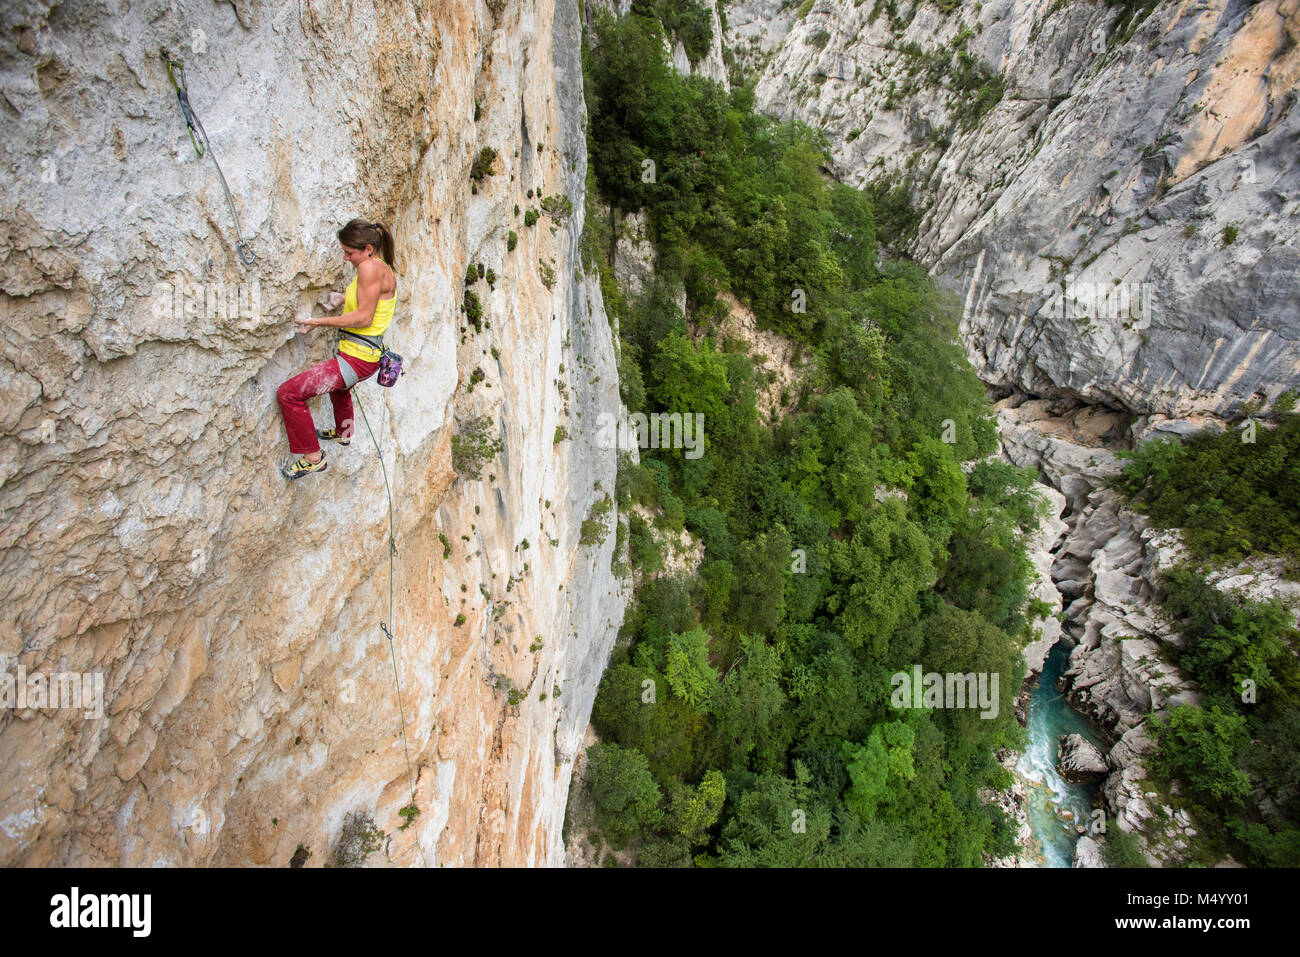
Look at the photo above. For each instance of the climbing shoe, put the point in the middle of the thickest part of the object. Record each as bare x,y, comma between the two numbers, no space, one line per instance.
333,435
302,467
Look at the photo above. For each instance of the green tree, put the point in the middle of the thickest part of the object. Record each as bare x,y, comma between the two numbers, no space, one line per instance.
689,673
878,767
623,791
762,565
1200,747
751,699
690,379
880,571
695,808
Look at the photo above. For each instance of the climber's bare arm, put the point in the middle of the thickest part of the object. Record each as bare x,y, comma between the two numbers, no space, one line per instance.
370,277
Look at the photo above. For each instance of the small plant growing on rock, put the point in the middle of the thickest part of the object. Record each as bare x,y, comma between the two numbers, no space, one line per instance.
446,545
474,310
482,165
512,237
408,815
358,839
594,529
1229,235
547,272
530,217
558,206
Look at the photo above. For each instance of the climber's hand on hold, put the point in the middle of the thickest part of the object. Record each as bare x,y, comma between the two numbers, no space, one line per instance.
336,299
302,322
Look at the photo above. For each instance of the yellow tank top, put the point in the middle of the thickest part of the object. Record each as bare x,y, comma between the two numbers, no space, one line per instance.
383,316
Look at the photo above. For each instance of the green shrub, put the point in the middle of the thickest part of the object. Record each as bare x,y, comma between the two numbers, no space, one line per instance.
595,528
358,839
474,309
557,207
408,815
482,165
547,272
473,446
1122,849
645,552
1200,748
623,791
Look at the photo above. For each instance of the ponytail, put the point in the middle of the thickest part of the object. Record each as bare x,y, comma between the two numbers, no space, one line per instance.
360,233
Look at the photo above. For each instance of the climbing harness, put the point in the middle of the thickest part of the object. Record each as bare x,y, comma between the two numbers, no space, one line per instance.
374,342
199,137
383,625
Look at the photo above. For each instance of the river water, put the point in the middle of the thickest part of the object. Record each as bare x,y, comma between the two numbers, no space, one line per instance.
1053,805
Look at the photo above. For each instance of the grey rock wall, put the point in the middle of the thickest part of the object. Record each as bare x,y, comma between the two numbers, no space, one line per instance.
1085,218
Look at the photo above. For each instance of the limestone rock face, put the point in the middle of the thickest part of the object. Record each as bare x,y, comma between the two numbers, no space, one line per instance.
1124,223
249,699
1040,548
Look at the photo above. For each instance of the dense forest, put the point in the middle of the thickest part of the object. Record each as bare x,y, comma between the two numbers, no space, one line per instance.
745,717
1234,495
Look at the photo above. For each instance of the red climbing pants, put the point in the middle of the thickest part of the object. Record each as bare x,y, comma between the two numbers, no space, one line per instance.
319,379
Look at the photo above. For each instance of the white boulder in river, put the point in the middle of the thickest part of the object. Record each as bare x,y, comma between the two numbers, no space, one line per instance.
1080,759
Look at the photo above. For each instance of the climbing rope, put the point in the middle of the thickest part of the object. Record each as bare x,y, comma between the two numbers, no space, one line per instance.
383,626
199,137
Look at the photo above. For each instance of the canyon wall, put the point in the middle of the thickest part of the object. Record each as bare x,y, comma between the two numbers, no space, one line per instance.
1116,202
148,537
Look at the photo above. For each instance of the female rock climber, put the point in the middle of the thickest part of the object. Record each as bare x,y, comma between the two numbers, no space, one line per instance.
367,311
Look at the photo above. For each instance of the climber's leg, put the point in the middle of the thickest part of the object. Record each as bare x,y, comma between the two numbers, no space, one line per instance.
293,395
342,401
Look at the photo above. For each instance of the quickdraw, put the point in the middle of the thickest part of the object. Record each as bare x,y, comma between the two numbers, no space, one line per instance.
199,137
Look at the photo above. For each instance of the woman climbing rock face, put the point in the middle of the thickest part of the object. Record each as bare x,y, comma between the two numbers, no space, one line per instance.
367,310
